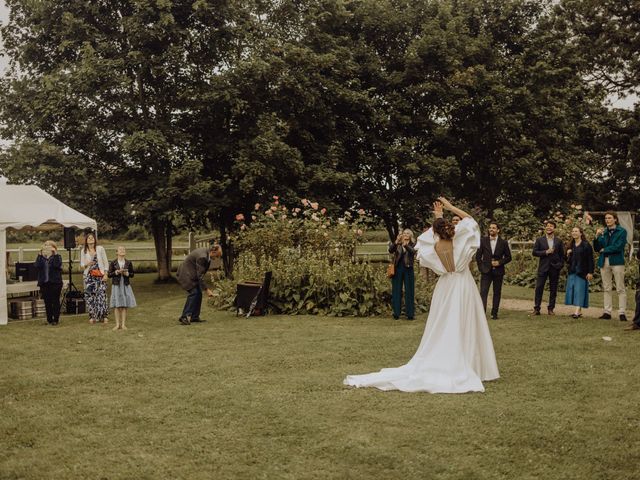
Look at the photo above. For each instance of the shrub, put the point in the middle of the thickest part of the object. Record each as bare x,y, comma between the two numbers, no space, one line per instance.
312,257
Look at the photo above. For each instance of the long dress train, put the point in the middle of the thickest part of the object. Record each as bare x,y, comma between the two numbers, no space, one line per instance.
456,352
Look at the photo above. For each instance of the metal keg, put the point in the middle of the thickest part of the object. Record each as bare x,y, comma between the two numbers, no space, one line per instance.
39,309
21,309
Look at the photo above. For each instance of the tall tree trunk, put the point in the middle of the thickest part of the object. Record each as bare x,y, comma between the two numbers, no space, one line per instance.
162,235
228,253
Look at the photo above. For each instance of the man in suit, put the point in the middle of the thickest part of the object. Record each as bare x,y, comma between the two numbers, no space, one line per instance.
636,318
610,242
494,253
551,253
191,277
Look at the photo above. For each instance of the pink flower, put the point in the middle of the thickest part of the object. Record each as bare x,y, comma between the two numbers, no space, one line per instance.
323,211
239,217
314,205
283,217
268,213
243,227
276,202
578,207
304,202
274,208
359,232
275,197
253,217
294,214
567,221
297,210
361,211
257,206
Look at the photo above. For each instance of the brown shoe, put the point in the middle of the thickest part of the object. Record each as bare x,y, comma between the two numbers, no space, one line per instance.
633,326
550,311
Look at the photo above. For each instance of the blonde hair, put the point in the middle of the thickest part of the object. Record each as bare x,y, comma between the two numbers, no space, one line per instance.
51,243
410,232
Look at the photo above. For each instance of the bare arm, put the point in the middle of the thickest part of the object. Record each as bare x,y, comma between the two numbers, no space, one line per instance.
455,210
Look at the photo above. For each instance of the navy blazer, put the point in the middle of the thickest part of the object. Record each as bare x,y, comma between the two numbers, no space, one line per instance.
581,259
553,261
55,269
484,255
115,277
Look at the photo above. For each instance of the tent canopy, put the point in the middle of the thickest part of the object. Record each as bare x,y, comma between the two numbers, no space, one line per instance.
28,206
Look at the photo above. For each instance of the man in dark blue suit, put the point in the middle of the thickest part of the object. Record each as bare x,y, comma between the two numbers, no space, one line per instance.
551,253
494,253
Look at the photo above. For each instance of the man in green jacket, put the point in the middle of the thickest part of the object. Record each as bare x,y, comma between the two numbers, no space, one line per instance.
610,242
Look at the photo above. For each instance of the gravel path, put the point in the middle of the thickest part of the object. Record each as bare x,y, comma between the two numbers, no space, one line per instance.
527,306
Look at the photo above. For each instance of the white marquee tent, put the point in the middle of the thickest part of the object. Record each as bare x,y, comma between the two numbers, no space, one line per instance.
29,207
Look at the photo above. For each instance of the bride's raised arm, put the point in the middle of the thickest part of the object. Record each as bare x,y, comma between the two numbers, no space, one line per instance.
444,203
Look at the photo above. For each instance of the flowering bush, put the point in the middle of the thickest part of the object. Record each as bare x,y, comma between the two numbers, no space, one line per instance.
312,257
308,229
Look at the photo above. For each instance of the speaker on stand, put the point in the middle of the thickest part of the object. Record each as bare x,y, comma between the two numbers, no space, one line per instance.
73,300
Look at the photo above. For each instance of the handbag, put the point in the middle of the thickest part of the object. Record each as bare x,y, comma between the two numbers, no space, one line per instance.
96,273
391,270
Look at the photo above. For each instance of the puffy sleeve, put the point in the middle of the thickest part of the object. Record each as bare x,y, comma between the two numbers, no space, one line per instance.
427,255
466,242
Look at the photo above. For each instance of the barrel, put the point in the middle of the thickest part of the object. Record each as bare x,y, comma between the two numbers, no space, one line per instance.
39,309
22,309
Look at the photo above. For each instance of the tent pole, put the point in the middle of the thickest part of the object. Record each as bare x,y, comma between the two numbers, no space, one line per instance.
4,317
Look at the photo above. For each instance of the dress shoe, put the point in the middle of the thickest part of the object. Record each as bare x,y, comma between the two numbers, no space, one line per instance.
395,317
184,320
576,315
494,316
550,311
197,320
623,317
409,318
633,326
605,316
536,311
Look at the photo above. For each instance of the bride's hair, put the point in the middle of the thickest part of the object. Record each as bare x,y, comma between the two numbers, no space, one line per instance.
445,230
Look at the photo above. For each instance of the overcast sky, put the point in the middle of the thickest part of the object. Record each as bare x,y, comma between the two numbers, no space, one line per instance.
4,15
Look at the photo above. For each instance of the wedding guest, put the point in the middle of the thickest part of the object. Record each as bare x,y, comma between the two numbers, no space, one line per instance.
610,242
404,253
96,265
581,266
494,253
635,325
455,220
121,272
551,253
49,267
191,277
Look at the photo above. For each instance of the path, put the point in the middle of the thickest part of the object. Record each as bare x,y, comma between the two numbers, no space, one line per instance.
560,310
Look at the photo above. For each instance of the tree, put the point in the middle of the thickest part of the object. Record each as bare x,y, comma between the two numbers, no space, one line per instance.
98,90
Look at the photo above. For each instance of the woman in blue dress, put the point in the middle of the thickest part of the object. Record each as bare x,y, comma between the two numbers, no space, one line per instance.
581,266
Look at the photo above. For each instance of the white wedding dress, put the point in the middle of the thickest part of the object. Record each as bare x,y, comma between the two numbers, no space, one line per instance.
456,352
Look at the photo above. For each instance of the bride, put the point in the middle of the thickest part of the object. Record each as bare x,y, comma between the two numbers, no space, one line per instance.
456,351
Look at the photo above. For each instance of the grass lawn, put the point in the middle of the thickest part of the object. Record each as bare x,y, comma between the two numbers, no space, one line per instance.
263,398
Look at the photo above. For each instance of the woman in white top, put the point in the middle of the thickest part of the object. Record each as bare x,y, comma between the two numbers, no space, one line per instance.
456,352
96,265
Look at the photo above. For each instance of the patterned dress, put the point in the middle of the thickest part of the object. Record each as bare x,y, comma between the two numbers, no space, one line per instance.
95,294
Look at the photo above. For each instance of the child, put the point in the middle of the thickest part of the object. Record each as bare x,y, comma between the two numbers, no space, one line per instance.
120,272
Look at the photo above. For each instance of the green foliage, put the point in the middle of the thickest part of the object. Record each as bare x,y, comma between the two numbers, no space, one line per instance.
311,255
136,232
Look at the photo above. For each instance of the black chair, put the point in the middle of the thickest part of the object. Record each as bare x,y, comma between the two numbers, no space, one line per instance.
252,297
